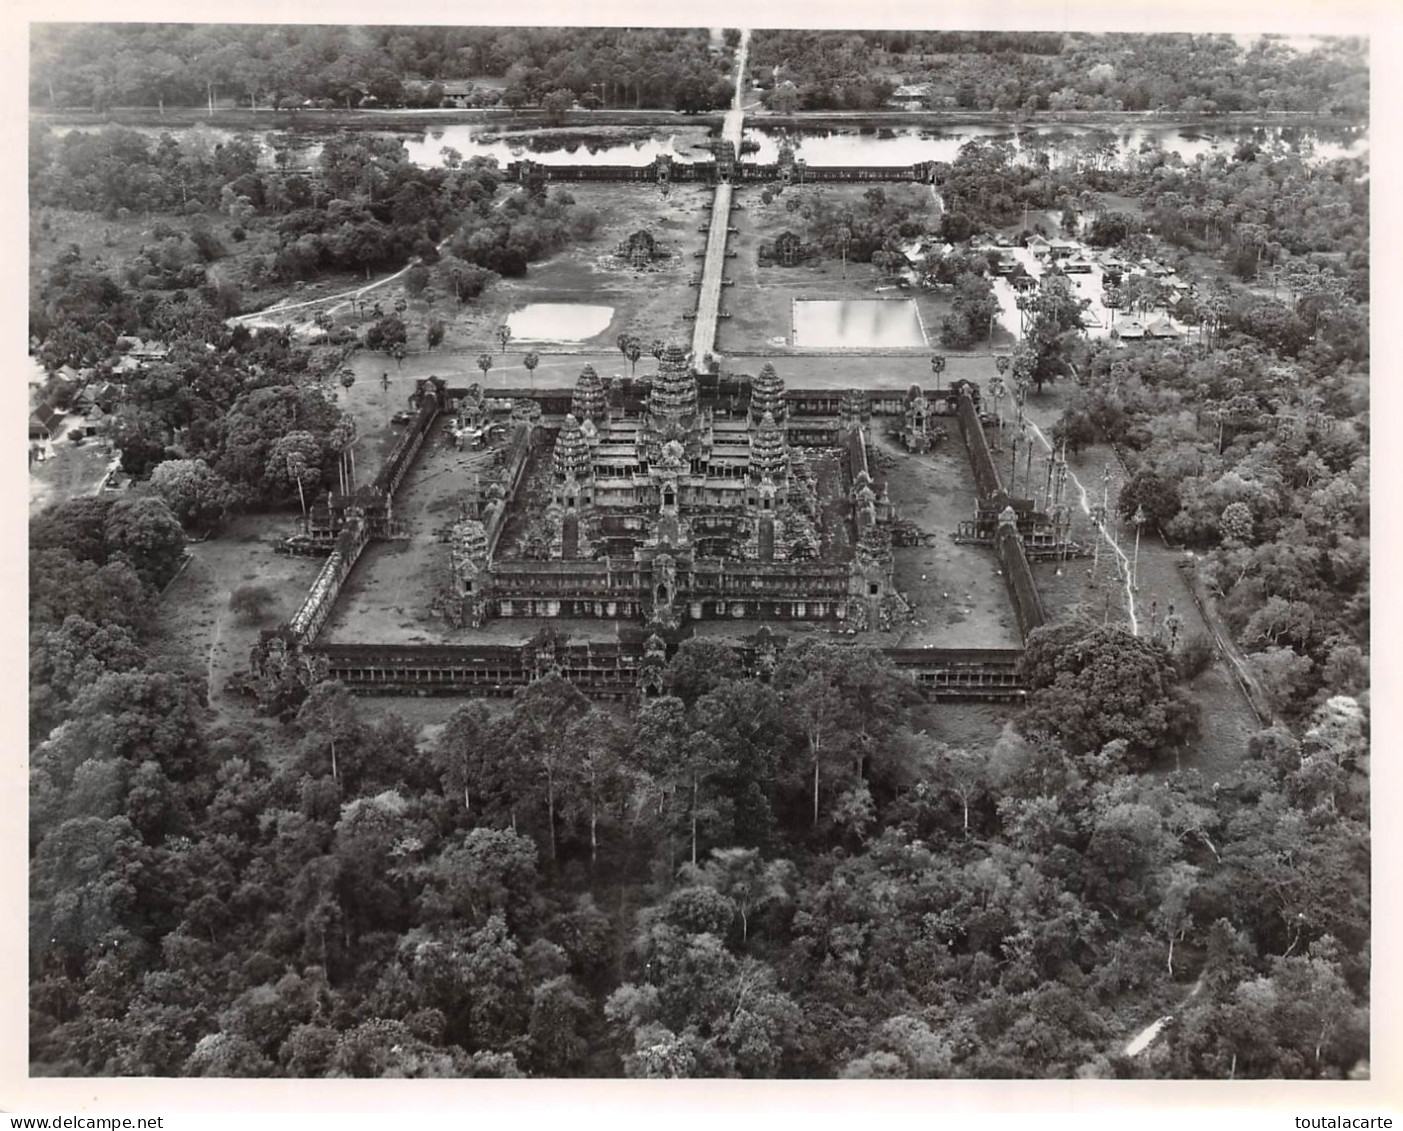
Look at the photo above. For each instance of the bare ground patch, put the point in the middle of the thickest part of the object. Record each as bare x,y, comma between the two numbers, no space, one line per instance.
195,619
957,595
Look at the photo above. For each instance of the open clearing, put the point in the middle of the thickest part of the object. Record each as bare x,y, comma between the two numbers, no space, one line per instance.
68,471
648,302
957,595
195,620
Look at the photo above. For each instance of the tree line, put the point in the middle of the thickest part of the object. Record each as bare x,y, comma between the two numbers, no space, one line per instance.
99,66
1032,72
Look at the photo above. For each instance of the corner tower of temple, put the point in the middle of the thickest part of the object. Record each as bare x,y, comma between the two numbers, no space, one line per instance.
572,455
588,402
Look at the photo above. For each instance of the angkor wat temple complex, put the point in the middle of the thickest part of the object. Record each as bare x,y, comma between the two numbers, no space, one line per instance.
657,505
680,511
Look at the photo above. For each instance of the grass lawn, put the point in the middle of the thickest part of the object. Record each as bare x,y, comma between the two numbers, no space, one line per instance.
864,371
1115,202
648,303
53,230
972,726
957,596
195,621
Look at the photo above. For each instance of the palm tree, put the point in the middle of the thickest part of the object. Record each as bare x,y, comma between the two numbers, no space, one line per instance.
484,362
998,387
1112,298
348,378
1027,306
504,335
398,354
633,353
531,360
625,342
296,469
343,436
937,366
656,348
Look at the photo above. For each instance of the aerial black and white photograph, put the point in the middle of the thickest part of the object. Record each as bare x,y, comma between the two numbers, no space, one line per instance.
636,552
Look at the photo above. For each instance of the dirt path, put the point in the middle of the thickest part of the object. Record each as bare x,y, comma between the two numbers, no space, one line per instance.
1146,1037
1228,648
214,690
343,298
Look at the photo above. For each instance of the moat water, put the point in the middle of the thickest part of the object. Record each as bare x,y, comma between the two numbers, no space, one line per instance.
1064,144
546,148
559,322
857,324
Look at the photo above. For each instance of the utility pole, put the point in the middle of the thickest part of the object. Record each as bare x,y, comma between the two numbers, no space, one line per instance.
1028,466
1139,520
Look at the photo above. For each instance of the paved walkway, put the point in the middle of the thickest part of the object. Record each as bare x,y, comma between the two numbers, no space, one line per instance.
714,266
709,295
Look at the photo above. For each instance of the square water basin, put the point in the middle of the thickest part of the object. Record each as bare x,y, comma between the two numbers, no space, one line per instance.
857,324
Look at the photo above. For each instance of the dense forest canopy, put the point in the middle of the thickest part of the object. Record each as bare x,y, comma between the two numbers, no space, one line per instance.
97,66
1017,71
787,877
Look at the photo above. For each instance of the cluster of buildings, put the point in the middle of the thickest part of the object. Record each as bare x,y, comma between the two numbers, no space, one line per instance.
89,393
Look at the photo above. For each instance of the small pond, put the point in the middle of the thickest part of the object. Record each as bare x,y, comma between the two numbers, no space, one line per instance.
559,322
857,324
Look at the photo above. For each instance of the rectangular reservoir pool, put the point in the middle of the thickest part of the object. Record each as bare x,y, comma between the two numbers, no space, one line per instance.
857,324
559,322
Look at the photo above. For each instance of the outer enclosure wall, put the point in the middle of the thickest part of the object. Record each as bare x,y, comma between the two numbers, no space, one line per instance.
1018,574
615,670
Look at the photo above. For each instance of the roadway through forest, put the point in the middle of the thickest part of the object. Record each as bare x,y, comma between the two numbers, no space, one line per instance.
714,265
266,317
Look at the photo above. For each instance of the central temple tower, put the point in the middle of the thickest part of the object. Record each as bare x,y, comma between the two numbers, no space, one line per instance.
672,402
